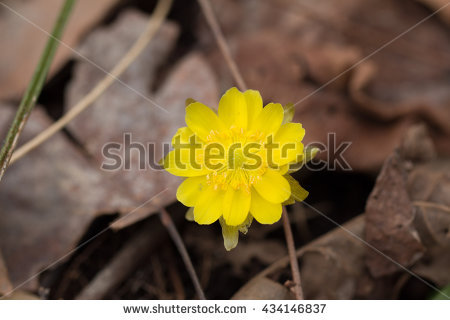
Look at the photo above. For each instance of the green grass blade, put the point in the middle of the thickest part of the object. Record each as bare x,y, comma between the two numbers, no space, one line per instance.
34,87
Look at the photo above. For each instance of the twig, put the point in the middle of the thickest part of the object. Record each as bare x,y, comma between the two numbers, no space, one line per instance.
141,43
170,226
214,25
292,256
34,88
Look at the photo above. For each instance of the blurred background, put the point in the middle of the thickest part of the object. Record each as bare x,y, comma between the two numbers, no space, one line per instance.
374,73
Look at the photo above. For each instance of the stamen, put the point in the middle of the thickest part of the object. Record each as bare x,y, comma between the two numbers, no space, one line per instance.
236,177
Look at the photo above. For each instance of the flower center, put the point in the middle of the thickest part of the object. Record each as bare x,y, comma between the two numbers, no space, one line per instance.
243,164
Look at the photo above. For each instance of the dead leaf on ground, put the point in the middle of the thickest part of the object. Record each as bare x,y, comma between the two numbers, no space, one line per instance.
19,58
47,200
390,220
429,186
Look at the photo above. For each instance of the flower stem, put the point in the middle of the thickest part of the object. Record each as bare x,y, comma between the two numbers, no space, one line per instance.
34,88
292,256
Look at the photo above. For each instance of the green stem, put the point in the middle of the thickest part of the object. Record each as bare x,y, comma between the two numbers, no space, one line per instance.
34,88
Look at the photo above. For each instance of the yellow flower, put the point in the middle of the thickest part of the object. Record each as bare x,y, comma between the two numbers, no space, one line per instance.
237,162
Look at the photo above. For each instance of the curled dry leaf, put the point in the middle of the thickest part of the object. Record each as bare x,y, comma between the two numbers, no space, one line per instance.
429,186
390,220
398,226
132,109
47,200
430,103
19,58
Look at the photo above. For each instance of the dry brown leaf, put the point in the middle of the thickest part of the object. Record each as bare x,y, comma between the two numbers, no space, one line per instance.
389,220
429,185
19,57
430,103
47,200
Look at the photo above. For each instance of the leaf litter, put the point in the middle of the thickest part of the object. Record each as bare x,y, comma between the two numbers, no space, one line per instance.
396,198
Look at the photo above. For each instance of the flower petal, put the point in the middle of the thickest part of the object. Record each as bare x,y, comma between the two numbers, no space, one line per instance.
290,132
179,163
269,119
263,211
190,189
183,135
233,109
254,105
208,207
288,143
236,205
273,187
202,120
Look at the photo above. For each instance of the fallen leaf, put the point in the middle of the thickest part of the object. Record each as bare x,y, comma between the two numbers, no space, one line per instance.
47,200
390,220
19,57
429,186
